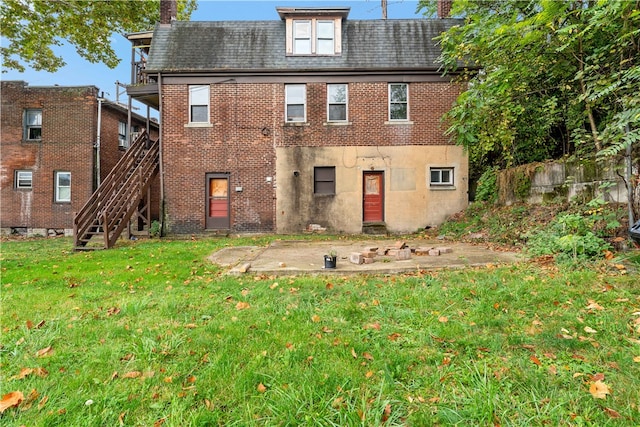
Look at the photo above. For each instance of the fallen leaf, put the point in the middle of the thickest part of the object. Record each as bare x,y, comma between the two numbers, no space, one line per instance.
443,319
132,374
598,377
367,356
553,370
589,330
353,353
636,359
369,374
40,324
242,305
387,413
315,318
11,400
261,388
375,326
191,379
599,390
329,286
535,360
434,399
594,305
29,324
612,413
273,285
42,402
121,418
44,352
394,336
159,422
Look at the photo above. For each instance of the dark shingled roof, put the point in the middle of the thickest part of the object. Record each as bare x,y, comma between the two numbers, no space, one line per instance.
259,46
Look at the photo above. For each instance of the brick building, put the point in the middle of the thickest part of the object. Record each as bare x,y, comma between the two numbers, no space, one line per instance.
50,161
309,119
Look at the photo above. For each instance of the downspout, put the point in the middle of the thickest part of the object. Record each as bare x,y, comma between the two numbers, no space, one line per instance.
98,135
161,166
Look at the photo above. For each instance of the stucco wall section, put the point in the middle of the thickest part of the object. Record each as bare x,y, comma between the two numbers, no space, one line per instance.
410,202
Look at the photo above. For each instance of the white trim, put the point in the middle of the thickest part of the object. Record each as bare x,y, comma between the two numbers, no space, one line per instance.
406,119
286,102
346,103
192,89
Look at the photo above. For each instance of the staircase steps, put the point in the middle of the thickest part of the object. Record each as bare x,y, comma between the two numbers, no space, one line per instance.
110,207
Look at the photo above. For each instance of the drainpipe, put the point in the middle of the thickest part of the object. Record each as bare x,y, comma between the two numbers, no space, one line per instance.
98,134
161,168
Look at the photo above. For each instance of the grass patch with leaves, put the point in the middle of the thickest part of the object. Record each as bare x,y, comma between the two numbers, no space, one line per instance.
151,333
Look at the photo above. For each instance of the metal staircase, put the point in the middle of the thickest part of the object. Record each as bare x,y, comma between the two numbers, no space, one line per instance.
109,209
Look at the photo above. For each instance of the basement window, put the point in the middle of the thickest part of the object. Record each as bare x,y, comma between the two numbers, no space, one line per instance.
441,176
324,180
24,180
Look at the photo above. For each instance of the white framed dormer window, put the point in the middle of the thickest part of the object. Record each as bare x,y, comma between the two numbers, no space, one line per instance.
24,180
325,38
337,97
441,177
296,103
302,37
63,187
314,36
398,102
199,104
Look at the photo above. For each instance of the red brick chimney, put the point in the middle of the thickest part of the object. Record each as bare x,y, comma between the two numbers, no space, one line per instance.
444,8
168,11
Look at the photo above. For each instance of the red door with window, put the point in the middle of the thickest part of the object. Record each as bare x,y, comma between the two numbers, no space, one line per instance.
217,206
373,197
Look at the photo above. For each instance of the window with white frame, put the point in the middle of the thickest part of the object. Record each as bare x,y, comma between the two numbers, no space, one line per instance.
63,186
24,180
33,125
398,101
122,134
313,36
441,176
325,34
199,104
302,37
337,95
296,103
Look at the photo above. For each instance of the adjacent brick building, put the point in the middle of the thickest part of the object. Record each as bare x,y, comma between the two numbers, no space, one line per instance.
50,162
310,119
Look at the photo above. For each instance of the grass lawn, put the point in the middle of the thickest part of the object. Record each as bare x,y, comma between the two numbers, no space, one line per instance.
152,334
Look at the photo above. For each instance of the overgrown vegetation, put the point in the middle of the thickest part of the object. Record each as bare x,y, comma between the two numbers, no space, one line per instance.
151,333
570,232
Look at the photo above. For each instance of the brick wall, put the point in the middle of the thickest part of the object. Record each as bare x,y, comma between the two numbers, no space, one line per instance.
69,125
248,124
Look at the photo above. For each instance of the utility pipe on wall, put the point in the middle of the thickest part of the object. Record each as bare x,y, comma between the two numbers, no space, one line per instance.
98,135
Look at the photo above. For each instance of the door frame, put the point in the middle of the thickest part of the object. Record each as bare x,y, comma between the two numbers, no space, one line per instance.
382,193
222,223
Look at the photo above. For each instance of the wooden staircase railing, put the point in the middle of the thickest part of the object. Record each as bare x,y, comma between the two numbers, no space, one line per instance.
108,210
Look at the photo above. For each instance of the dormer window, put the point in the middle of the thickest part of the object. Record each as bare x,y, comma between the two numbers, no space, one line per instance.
313,31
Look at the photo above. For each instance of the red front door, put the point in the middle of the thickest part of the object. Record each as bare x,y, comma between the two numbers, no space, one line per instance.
373,196
217,208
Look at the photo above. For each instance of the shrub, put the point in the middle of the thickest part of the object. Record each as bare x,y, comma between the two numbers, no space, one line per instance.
487,190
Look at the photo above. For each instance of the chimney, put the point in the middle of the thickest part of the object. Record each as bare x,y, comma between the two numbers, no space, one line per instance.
444,8
168,11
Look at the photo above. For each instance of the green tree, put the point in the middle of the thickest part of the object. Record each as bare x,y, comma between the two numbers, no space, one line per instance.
557,77
32,27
